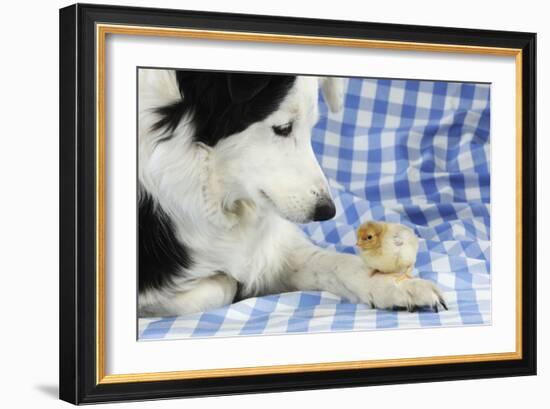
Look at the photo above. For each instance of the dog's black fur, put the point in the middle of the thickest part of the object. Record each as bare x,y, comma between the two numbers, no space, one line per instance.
161,255
222,104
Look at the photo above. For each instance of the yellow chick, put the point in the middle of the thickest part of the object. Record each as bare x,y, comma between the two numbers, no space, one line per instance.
388,248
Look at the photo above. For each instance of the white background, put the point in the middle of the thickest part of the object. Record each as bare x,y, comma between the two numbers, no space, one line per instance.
29,206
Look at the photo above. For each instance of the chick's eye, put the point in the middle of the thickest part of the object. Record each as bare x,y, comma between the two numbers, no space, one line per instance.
283,130
369,237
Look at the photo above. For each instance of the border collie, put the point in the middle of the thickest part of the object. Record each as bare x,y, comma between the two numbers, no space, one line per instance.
226,169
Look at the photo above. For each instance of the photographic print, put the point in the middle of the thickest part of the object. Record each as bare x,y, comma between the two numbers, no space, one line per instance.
263,203
278,204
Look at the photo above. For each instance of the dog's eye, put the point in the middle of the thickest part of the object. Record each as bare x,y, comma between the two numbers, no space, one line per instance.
283,130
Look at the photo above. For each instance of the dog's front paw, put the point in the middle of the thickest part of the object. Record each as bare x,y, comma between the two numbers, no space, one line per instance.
422,294
411,295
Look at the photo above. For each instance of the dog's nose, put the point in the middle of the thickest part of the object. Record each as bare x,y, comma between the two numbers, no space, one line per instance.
324,210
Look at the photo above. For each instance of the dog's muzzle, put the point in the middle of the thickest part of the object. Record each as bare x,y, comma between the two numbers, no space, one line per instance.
324,209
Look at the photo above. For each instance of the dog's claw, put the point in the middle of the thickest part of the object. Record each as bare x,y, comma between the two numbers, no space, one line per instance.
419,295
415,308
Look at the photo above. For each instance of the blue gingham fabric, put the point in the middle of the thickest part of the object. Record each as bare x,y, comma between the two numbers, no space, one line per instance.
406,151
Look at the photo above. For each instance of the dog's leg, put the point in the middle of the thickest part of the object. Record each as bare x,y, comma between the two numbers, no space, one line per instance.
345,275
205,294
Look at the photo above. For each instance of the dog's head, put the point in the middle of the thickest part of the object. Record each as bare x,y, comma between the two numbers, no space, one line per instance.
257,129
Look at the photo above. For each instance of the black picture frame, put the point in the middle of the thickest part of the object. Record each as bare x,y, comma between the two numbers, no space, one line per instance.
78,312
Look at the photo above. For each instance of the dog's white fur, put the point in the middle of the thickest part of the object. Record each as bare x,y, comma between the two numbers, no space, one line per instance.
234,206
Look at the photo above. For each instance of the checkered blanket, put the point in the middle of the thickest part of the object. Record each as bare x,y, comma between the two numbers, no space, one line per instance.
407,151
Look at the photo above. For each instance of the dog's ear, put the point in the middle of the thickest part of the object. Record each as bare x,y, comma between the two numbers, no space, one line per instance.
244,87
333,92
